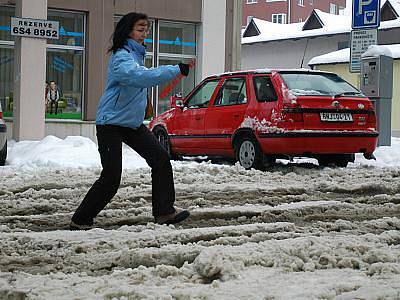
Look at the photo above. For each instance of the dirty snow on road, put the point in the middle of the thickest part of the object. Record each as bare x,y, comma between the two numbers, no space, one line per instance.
295,231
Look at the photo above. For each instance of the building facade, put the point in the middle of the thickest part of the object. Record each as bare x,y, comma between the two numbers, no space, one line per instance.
204,31
287,11
269,45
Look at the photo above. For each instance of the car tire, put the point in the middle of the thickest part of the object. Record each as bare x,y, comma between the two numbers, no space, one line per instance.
162,136
3,155
249,154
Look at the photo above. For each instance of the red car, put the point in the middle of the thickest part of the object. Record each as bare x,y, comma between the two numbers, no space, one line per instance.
258,116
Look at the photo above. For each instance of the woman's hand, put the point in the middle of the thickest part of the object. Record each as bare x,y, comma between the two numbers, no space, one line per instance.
184,69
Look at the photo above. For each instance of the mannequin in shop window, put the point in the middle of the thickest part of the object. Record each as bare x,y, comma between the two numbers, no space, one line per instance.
53,95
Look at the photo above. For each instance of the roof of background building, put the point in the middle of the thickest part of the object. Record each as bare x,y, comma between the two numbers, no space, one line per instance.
343,56
317,24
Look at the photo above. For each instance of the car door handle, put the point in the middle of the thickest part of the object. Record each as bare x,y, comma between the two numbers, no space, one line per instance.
236,116
197,118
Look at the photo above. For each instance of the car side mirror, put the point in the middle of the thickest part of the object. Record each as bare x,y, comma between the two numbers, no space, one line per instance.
176,101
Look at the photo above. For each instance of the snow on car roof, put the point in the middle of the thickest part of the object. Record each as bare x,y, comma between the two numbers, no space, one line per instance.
265,70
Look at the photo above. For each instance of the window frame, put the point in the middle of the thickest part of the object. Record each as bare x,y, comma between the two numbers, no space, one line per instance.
283,15
158,55
335,8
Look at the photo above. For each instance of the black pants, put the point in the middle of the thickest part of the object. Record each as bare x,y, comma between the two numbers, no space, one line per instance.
55,103
110,138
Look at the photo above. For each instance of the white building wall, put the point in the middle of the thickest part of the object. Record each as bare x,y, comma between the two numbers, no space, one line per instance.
288,53
212,39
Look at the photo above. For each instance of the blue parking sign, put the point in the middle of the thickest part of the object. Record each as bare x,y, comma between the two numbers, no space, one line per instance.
366,14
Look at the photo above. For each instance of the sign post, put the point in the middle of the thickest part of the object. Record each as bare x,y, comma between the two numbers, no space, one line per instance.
365,23
359,42
366,14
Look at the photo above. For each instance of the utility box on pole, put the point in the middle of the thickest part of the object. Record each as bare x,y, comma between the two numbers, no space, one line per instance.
377,84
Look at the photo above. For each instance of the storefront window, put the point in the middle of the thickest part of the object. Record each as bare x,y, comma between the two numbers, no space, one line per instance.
65,64
64,68
6,12
177,44
71,28
177,38
6,79
183,87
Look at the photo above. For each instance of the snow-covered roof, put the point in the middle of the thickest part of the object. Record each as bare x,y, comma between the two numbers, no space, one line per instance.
317,24
395,5
342,56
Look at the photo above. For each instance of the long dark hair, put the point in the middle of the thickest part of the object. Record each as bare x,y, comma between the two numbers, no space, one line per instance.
124,28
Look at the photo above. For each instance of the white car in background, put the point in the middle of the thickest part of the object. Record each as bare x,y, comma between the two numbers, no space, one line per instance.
3,139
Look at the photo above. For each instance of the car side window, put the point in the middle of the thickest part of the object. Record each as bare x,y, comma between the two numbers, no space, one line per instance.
264,89
232,92
203,95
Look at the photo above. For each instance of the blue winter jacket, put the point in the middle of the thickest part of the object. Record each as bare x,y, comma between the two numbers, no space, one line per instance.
124,100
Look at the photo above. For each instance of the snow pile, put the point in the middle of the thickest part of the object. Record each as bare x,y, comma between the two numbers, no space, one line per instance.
386,156
343,55
81,152
71,152
376,51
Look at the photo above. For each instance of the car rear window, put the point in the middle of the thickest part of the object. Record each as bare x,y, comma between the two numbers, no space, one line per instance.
315,84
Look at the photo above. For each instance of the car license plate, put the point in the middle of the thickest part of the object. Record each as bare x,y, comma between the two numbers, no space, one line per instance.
336,117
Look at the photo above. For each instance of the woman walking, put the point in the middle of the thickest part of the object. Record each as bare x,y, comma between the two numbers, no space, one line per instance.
119,119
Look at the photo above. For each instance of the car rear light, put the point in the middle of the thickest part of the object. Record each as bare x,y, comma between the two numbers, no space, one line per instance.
292,112
371,115
1,114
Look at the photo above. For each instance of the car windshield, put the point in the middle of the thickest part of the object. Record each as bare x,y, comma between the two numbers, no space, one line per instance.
316,84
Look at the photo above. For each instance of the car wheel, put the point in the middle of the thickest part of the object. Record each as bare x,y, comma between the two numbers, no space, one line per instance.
3,155
162,137
248,154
